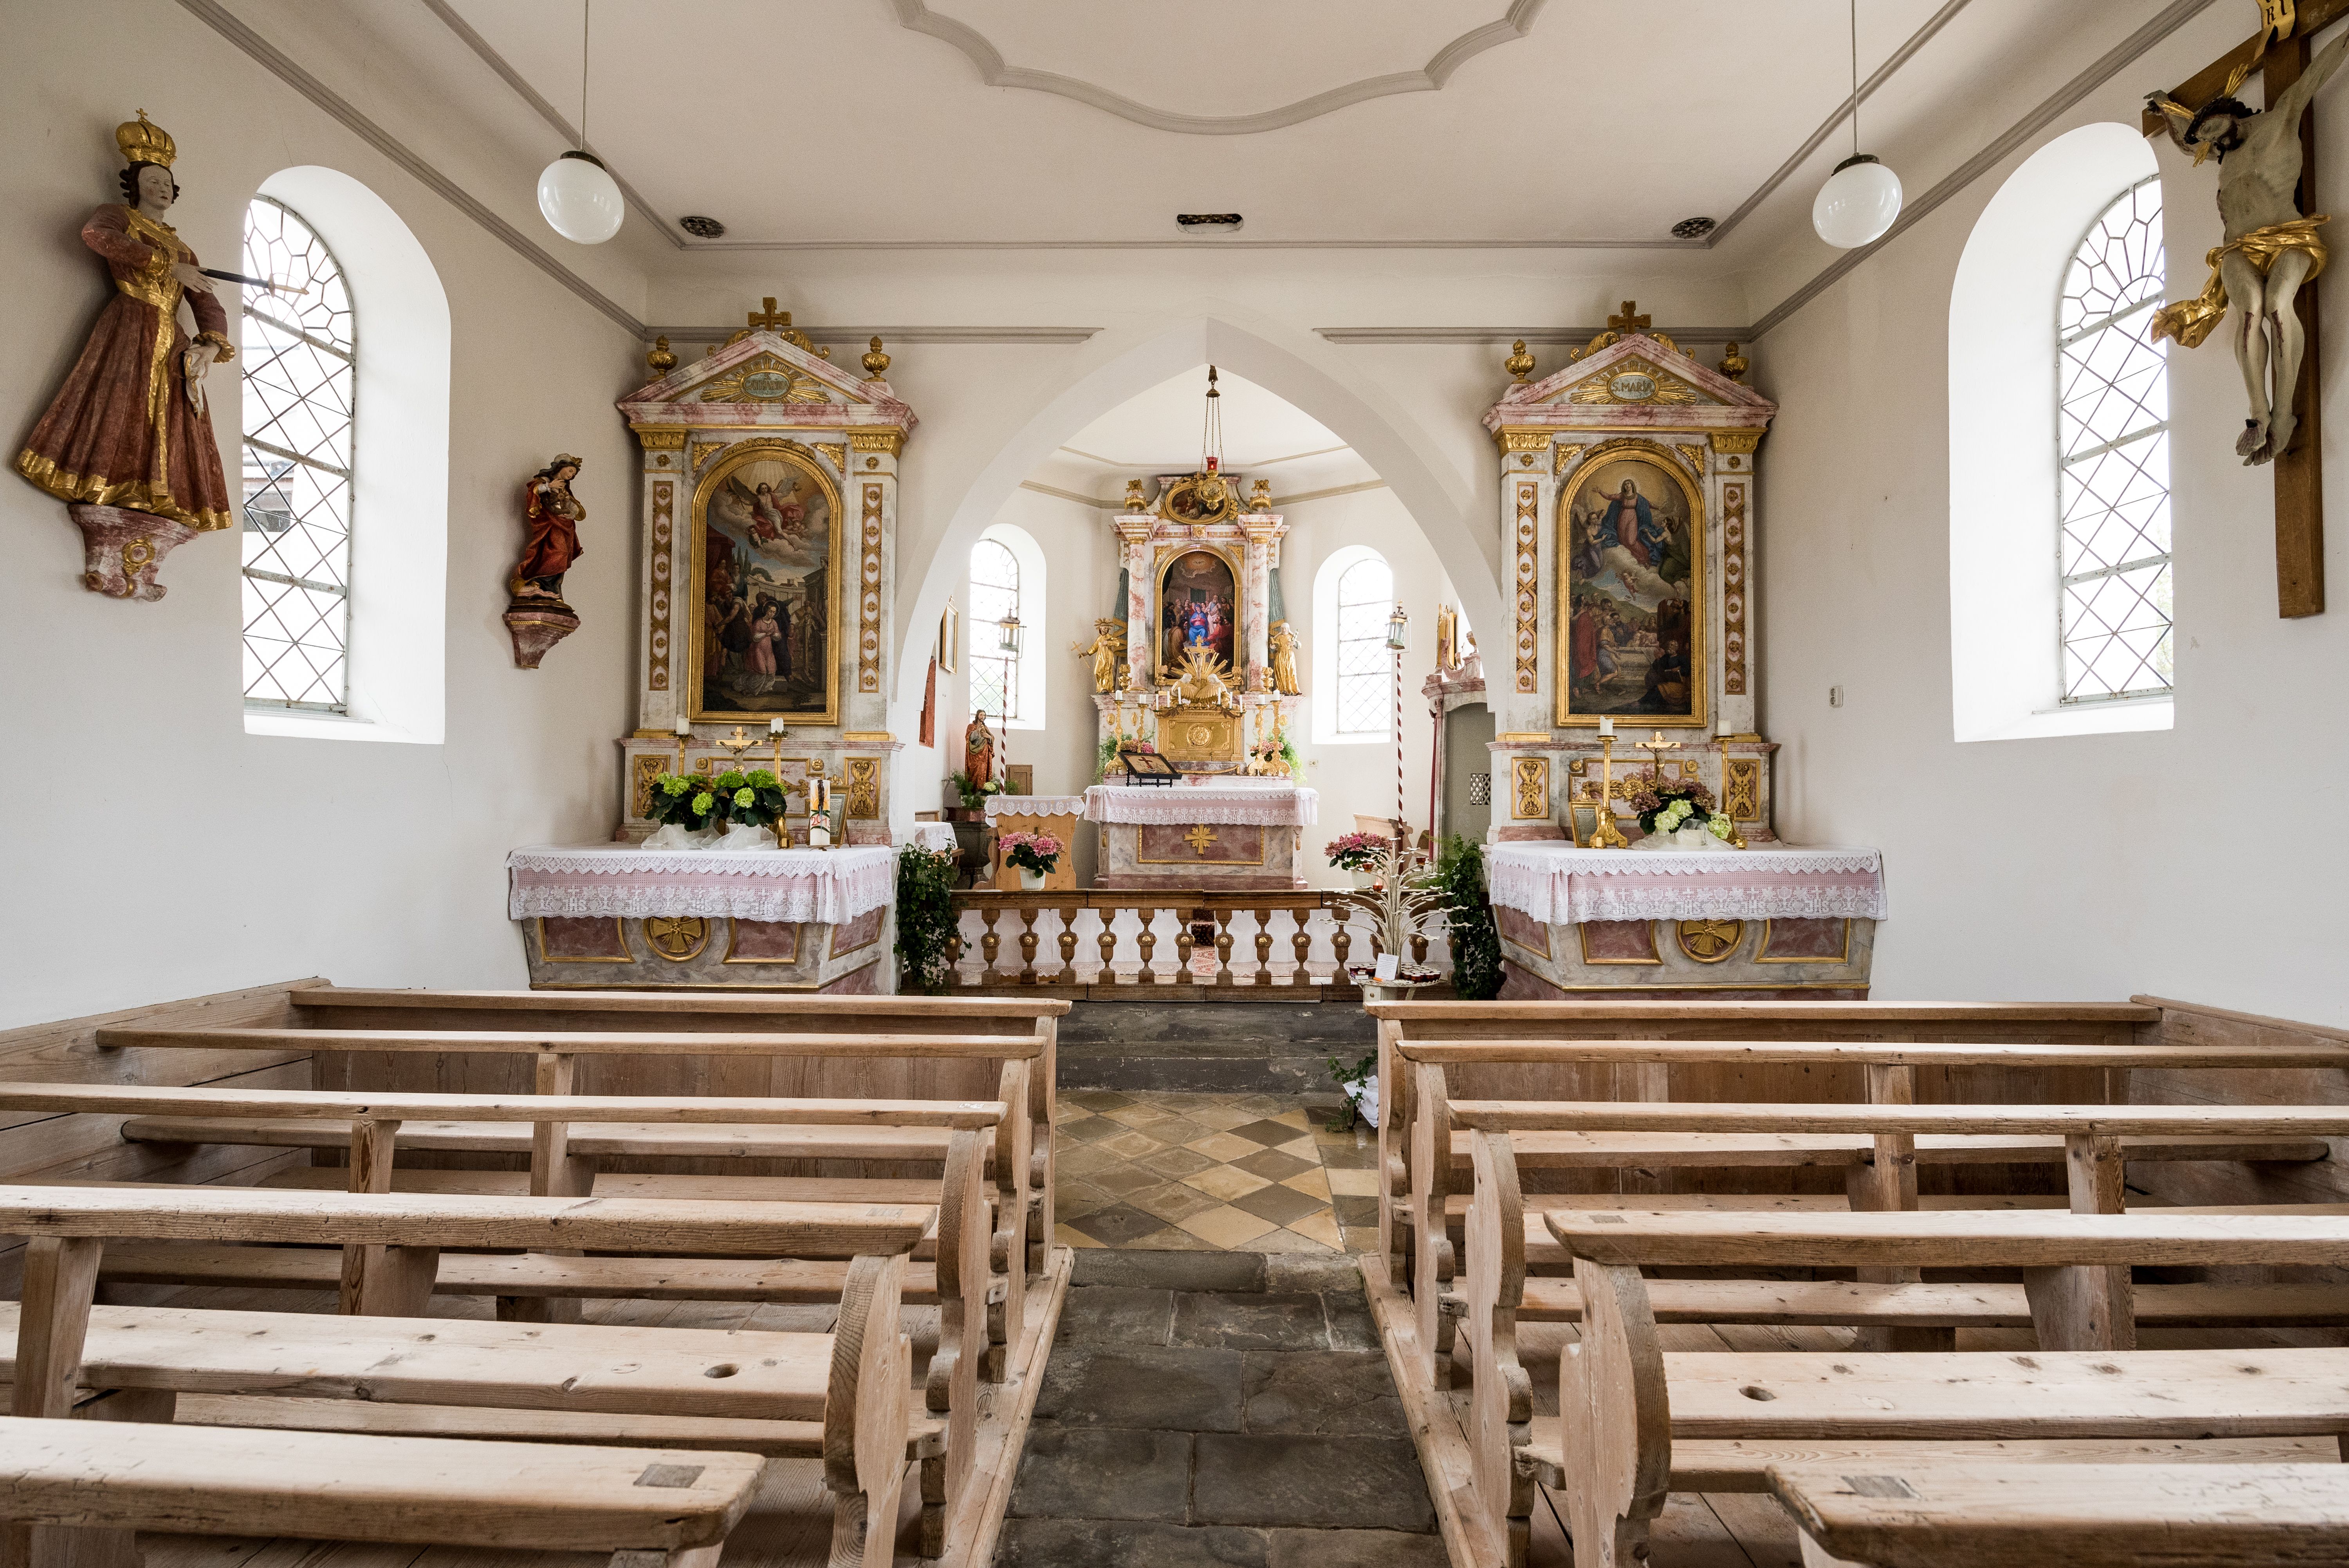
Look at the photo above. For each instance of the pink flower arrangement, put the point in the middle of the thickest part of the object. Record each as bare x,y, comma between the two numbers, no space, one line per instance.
1037,852
1356,852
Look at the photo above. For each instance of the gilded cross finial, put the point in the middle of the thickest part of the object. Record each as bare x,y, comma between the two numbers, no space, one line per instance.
1519,364
1625,322
767,318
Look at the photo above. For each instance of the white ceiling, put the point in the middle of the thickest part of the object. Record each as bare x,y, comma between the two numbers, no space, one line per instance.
1607,122
1159,429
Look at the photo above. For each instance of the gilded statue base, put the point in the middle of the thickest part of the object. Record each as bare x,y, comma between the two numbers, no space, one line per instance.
535,630
122,548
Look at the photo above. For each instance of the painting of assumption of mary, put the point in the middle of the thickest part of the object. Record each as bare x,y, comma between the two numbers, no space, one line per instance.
1631,595
766,536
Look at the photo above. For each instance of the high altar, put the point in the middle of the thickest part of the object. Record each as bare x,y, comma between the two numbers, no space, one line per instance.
1207,679
1630,528
768,543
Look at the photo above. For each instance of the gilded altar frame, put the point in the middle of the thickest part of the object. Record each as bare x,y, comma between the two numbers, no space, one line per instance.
805,459
1653,455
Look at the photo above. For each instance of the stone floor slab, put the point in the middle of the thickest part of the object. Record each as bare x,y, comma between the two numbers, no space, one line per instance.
1116,1314
1328,1393
1103,1472
1250,1323
1164,1390
1351,1482
1113,1544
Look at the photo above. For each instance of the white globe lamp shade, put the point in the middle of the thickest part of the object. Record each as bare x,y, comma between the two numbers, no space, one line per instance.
1858,204
580,201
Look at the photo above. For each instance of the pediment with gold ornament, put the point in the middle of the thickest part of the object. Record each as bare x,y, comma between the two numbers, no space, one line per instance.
1629,380
768,377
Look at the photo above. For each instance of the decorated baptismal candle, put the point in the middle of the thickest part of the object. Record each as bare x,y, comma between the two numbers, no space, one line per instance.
819,814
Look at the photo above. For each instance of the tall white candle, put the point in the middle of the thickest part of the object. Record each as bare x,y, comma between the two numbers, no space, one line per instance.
1606,726
774,726
684,725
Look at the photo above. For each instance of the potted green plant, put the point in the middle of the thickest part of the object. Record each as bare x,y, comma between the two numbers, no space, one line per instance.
687,801
926,918
1032,855
1360,1085
755,798
1468,912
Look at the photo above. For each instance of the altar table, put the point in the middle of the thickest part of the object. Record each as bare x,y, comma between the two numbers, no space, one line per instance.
1771,921
598,917
1238,834
1056,815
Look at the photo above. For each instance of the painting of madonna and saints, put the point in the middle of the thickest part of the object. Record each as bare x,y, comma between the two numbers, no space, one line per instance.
768,536
1632,580
1197,600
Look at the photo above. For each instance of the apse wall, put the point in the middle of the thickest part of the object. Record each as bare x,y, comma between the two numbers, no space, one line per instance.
1081,561
156,850
2190,862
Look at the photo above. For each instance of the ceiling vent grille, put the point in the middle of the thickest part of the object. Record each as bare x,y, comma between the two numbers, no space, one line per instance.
1208,222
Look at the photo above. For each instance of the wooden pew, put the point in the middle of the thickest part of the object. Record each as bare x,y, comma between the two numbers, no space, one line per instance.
854,1381
1964,1515
649,1508
1627,1405
955,1134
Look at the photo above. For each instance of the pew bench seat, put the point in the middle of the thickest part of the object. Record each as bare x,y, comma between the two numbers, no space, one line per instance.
1864,1304
675,1505
1554,1150
707,1140
2022,1516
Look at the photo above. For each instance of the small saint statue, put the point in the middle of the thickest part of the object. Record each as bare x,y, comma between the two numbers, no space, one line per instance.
550,517
126,442
1107,650
1284,660
978,752
2271,249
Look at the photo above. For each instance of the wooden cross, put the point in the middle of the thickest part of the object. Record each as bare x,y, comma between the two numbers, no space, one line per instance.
767,318
1199,837
2299,468
1626,322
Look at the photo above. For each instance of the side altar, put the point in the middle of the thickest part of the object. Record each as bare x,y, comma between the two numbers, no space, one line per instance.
1630,523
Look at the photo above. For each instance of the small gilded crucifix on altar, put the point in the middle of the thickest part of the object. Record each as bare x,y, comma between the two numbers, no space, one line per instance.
1655,745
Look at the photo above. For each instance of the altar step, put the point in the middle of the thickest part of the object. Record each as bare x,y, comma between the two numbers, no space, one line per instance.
1210,1043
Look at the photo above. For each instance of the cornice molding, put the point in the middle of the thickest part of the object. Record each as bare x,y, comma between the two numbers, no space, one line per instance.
1513,23
889,336
1535,336
277,64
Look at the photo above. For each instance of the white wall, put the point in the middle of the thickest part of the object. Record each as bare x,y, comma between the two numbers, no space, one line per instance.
156,850
2196,862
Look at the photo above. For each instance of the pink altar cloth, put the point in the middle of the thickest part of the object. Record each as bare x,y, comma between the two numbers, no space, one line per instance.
826,886
1272,803
1559,885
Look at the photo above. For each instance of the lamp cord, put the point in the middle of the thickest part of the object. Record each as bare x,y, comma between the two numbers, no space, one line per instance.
586,12
1855,83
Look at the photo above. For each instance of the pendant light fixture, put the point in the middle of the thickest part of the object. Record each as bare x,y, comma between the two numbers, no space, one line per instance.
1211,429
580,199
1862,198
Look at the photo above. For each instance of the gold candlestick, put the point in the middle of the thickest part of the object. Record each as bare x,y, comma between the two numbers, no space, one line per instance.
1603,832
1736,839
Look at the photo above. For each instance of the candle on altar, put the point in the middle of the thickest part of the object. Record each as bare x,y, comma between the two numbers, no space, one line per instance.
1606,726
684,725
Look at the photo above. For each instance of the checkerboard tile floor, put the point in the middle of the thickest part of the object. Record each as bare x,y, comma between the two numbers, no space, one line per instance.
1187,1172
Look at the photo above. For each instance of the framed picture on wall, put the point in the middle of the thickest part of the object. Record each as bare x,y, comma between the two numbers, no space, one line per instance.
1630,588
766,560
949,636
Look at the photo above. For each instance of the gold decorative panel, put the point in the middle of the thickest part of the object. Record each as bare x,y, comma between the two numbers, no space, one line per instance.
1633,380
677,938
868,601
1736,440
1191,735
863,788
1732,589
664,532
1710,941
644,769
1528,589
1741,793
766,379
1529,789
837,452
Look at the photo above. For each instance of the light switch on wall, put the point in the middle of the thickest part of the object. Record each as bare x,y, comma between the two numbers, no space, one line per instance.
1835,696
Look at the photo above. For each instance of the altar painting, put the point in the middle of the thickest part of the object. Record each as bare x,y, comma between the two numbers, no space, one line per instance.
1197,604
1631,595
765,574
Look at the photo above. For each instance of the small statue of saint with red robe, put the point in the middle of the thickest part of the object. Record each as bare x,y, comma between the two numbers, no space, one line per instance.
551,516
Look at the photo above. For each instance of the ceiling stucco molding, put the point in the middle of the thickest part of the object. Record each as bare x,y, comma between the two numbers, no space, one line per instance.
1513,23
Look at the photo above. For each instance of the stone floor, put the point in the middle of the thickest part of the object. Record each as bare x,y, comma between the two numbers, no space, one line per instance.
1170,1171
1228,1408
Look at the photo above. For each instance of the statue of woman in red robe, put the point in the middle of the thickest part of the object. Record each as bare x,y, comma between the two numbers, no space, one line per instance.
129,429
553,515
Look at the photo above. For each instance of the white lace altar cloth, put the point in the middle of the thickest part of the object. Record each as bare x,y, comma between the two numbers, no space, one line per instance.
934,836
1269,804
1559,885
828,885
1034,805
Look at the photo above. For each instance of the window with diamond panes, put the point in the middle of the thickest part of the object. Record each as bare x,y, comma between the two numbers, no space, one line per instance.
2113,444
300,359
994,593
1365,664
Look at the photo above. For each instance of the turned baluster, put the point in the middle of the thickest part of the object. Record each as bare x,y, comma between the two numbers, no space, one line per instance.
990,943
1302,940
1067,975
1147,940
1341,942
1108,946
1184,942
1263,946
1223,947
954,956
1027,946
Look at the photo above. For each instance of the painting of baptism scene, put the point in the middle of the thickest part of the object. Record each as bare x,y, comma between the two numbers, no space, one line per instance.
767,539
1630,573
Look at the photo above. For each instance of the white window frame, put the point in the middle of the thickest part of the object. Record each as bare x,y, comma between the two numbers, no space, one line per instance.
1326,580
1029,601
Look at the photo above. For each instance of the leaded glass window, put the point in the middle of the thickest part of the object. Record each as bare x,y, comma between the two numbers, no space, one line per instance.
994,593
300,356
2113,444
1365,664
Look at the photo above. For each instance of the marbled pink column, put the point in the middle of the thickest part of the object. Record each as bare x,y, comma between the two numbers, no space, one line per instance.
1254,617
1141,625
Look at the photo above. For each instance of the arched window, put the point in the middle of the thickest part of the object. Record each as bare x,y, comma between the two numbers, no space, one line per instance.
2112,426
300,359
1364,695
1006,578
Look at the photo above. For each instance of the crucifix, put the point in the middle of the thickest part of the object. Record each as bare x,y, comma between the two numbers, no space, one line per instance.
1624,321
2272,250
767,318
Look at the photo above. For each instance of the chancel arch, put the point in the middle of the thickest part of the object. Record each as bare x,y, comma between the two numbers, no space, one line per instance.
2023,472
